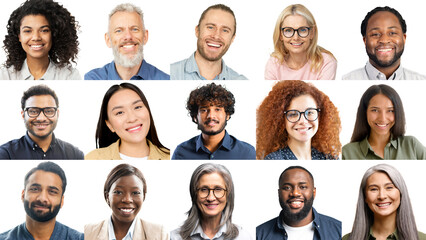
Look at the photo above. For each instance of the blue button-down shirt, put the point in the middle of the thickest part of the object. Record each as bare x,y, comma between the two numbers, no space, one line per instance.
187,69
326,228
230,148
59,232
108,72
26,148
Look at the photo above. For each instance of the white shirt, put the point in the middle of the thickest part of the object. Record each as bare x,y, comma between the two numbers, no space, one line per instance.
129,235
198,234
300,233
369,72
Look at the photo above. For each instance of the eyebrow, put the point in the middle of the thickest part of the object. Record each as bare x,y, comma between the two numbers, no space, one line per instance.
44,26
377,28
376,185
133,103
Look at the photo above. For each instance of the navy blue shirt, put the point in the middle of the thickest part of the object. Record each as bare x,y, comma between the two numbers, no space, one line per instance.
230,148
60,231
108,72
26,148
326,228
287,154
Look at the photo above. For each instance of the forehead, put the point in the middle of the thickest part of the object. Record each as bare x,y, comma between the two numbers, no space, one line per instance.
34,20
125,19
383,19
295,176
40,101
302,102
44,179
211,179
380,100
122,97
378,178
131,181
219,17
295,21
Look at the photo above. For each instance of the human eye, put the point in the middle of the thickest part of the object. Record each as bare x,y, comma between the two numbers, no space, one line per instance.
136,193
303,187
117,192
34,189
286,188
303,29
292,114
33,111
118,30
53,192
137,107
202,110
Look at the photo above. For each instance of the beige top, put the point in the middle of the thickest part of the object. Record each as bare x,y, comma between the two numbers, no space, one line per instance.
112,153
143,231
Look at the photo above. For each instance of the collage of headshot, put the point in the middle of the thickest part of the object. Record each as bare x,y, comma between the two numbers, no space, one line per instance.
202,83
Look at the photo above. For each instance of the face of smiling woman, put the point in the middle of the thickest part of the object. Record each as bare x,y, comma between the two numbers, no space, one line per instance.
211,207
380,116
35,36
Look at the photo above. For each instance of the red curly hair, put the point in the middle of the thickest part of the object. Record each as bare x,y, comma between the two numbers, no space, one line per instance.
271,134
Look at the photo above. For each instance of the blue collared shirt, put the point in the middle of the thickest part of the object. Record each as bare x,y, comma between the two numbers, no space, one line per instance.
108,72
26,148
326,228
230,148
60,231
287,154
187,69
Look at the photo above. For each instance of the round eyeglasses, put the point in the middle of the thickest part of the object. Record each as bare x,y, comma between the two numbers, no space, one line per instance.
217,192
288,32
311,114
34,112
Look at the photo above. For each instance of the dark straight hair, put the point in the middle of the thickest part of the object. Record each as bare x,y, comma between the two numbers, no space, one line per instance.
362,129
104,136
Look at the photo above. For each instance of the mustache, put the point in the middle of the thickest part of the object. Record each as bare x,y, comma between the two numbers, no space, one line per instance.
41,122
39,203
211,120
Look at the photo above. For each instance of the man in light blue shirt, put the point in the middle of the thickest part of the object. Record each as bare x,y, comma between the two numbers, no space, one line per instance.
126,36
215,33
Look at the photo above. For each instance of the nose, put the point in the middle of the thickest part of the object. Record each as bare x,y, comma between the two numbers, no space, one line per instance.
295,192
384,38
42,197
36,36
131,116
382,195
128,36
41,116
127,198
211,196
211,114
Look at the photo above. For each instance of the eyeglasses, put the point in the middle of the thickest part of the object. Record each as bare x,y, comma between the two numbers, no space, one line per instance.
311,114
217,192
288,32
34,112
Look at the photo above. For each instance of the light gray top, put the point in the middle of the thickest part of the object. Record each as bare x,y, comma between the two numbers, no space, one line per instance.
369,72
53,72
198,234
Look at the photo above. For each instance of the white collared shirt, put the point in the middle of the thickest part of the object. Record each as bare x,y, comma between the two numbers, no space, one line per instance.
369,72
111,233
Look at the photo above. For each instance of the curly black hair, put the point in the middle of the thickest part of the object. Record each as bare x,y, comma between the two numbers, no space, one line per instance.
212,94
64,33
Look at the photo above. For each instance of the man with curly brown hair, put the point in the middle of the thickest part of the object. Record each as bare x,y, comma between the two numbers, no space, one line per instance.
210,107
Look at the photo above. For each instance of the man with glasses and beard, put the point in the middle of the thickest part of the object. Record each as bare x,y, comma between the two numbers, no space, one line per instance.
298,219
43,197
40,111
384,32
126,36
210,107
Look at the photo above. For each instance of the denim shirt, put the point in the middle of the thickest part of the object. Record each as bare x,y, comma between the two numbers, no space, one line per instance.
326,228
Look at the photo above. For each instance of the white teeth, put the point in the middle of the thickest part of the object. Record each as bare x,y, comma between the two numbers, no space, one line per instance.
296,44
132,129
36,46
381,125
126,210
296,202
128,46
213,45
384,50
383,204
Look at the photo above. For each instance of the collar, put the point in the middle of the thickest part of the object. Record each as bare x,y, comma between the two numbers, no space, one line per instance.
192,67
26,75
199,231
375,74
316,222
226,142
393,235
35,145
111,232
143,73
366,147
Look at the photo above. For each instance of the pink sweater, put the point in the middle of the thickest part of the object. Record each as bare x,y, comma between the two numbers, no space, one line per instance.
276,71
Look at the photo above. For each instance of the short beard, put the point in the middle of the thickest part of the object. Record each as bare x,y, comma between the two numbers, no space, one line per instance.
387,64
29,129
203,54
290,218
125,61
211,133
40,217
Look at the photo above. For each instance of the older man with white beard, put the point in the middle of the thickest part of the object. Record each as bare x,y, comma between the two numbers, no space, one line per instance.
126,36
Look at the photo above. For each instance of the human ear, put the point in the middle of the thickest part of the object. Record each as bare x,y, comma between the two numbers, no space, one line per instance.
109,126
107,40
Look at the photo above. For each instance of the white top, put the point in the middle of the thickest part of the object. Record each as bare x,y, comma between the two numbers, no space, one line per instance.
53,72
198,234
125,157
369,72
300,233
111,233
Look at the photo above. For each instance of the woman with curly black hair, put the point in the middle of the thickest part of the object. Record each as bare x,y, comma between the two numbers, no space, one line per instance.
41,42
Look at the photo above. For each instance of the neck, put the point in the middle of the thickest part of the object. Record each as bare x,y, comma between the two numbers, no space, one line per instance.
208,69
40,230
120,228
126,73
43,143
378,143
302,150
37,66
210,225
388,71
211,142
138,150
296,61
384,226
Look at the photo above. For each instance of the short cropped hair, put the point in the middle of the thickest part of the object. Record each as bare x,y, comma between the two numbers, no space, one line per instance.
210,94
48,167
127,7
381,9
296,167
219,7
37,91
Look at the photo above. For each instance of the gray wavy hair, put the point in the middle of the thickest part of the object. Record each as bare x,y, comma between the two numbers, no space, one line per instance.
194,214
364,219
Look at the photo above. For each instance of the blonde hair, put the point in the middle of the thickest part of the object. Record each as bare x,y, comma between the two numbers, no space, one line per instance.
314,51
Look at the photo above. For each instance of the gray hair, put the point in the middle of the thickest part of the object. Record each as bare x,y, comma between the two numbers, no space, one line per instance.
364,219
127,7
194,214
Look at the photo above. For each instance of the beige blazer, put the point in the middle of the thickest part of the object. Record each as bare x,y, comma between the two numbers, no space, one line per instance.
143,231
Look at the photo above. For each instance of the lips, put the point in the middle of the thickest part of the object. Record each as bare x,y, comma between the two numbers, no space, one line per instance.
211,206
296,44
383,205
295,203
214,44
382,126
211,123
303,129
36,47
134,128
126,210
128,46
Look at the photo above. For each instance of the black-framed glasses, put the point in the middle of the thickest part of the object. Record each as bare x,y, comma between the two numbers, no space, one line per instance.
288,32
311,114
217,192
34,112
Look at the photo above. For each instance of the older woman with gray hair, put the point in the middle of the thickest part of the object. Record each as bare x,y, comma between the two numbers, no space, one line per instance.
210,216
384,209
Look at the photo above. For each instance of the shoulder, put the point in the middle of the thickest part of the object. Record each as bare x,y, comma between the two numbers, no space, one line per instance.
65,232
155,73
358,74
277,155
329,220
328,59
246,149
98,73
71,152
273,61
411,75
106,153
233,75
422,236
5,73
243,234
346,237
92,231
154,231
17,232
265,229
187,146
352,151
8,150
65,73
156,153
177,69
175,234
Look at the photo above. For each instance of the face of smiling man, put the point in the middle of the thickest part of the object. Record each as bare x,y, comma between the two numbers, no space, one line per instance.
126,36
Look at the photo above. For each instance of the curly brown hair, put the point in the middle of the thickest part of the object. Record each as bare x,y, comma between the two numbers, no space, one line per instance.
210,94
64,33
271,134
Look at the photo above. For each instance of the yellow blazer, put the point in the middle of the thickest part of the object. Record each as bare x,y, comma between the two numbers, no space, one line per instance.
143,231
112,153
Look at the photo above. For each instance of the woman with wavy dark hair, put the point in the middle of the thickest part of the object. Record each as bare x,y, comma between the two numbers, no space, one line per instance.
384,209
297,121
126,128
41,42
210,217
380,128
